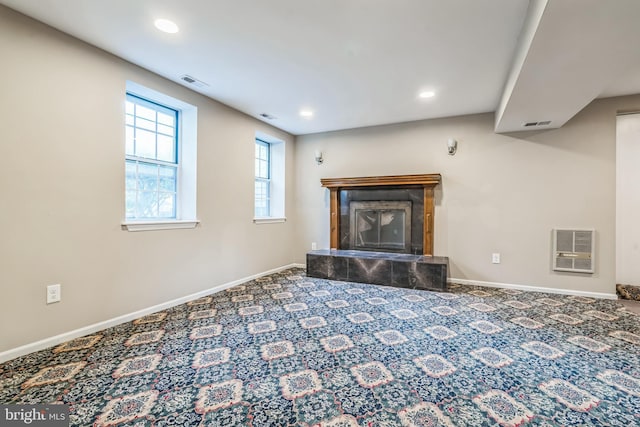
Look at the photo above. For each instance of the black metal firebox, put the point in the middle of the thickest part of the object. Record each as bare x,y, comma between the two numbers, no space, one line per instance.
382,220
380,226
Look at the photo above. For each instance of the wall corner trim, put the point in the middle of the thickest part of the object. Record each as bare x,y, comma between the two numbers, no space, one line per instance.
66,336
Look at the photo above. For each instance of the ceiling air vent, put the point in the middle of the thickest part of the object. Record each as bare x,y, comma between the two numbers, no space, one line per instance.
542,123
573,250
267,116
193,81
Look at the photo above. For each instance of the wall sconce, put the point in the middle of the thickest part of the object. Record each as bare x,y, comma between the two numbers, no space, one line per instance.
452,146
319,158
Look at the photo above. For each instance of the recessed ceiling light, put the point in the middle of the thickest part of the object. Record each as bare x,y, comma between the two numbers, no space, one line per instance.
166,26
427,94
306,113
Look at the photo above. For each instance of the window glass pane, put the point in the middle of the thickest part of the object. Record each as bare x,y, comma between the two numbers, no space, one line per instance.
130,181
167,205
166,119
167,178
147,176
167,130
147,206
263,169
145,144
145,124
128,138
261,198
261,209
145,112
129,120
260,190
166,148
130,204
129,107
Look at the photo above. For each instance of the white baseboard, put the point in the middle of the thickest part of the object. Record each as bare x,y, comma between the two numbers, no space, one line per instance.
58,339
528,288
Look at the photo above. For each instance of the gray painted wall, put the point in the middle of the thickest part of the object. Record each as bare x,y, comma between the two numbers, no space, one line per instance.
62,192
499,193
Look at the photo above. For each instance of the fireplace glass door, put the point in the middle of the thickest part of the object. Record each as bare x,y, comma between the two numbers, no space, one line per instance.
380,225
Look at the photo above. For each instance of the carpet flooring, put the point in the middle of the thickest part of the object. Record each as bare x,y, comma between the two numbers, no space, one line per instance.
287,350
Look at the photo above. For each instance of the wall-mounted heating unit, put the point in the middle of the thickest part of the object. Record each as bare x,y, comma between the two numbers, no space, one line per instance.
573,250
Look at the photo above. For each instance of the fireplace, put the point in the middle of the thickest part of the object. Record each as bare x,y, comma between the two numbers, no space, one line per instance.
380,226
385,214
381,232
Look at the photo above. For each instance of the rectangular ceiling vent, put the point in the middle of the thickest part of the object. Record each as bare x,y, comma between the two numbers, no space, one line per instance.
193,81
573,250
542,123
267,116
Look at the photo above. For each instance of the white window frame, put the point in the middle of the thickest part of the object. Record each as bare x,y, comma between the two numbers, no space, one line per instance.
259,178
186,155
137,160
276,180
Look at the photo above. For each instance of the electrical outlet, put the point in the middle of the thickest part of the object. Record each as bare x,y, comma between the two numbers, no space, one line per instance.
314,246
495,258
53,294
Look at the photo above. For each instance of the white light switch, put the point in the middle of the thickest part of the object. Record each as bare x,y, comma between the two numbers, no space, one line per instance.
495,258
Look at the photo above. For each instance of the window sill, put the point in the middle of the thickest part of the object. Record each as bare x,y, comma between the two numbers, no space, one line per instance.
159,225
269,220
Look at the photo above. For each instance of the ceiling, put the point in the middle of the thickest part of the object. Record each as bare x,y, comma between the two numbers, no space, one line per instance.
357,63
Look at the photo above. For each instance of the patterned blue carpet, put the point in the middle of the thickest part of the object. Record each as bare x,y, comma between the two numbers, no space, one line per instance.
287,350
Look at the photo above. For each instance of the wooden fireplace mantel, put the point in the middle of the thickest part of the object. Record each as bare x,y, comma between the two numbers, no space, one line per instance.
426,181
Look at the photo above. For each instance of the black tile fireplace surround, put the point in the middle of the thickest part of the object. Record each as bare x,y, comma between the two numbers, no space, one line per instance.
380,268
412,196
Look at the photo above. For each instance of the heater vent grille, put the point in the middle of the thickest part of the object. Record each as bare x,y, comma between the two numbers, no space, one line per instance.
534,124
573,250
192,81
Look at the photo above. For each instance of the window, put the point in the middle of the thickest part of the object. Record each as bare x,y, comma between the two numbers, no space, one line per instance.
160,161
151,160
263,179
269,179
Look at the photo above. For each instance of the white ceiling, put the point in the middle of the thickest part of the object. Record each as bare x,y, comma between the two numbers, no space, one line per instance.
363,62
